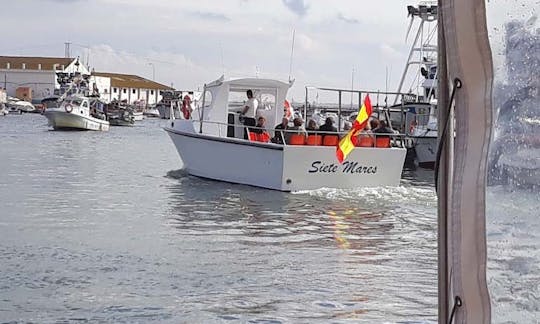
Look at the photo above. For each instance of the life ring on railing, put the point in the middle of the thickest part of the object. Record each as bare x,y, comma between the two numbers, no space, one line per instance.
68,108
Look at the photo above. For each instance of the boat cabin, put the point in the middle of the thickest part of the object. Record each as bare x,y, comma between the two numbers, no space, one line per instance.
223,100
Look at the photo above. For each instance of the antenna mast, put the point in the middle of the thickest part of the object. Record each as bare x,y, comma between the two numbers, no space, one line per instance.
292,52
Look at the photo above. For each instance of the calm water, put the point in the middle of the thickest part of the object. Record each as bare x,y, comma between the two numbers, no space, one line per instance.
105,227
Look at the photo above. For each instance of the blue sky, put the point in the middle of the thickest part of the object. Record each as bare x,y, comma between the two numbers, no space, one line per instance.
188,43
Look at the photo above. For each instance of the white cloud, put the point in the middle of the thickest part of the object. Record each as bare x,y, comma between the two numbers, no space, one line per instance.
299,7
199,39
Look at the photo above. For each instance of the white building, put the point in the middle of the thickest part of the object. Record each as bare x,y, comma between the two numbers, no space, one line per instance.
36,74
127,87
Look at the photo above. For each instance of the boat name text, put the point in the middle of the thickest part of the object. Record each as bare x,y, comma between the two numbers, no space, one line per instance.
346,167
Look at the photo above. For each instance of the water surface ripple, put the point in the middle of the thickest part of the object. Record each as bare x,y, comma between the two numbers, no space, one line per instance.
106,227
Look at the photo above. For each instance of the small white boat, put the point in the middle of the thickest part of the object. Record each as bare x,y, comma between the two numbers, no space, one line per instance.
212,145
19,106
75,113
151,112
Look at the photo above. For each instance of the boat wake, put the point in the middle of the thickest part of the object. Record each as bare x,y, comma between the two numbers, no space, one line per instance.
379,196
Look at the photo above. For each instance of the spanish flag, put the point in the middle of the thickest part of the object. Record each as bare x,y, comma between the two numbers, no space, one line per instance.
347,143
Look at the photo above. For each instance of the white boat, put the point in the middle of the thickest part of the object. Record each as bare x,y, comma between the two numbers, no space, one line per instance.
75,113
18,106
212,145
151,111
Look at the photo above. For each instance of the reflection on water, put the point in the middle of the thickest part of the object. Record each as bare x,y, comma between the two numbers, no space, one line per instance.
311,256
103,227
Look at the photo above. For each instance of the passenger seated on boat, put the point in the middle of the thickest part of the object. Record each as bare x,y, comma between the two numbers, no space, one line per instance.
279,137
249,111
312,127
380,139
259,133
296,129
326,130
373,124
383,128
366,137
313,138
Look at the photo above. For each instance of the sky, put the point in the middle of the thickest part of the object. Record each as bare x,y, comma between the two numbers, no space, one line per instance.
188,43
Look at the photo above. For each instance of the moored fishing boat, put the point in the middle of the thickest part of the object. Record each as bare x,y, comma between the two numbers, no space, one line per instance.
75,113
212,145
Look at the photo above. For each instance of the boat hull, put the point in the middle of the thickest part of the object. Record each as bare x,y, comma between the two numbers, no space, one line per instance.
121,122
63,120
425,149
165,112
286,168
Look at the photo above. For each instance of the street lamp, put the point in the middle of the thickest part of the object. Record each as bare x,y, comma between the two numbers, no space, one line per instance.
153,71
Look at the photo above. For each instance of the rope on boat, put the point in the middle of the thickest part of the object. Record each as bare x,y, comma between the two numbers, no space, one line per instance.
457,303
457,85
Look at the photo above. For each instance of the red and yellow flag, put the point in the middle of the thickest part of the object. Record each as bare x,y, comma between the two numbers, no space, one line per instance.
347,143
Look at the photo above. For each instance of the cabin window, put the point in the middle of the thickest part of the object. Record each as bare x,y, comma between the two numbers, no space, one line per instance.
124,90
152,92
114,90
84,104
267,100
134,91
207,98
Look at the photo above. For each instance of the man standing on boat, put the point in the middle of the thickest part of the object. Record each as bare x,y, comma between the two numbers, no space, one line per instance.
249,111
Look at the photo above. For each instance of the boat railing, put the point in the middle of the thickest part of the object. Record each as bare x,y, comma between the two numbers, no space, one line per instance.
379,101
301,136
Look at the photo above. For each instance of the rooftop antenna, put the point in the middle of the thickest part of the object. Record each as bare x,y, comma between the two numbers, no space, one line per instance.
292,52
221,52
67,52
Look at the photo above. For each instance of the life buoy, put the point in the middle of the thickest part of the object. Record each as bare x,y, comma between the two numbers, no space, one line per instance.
68,108
186,107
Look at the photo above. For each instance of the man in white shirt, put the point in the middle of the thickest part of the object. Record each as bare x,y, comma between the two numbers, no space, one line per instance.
249,111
